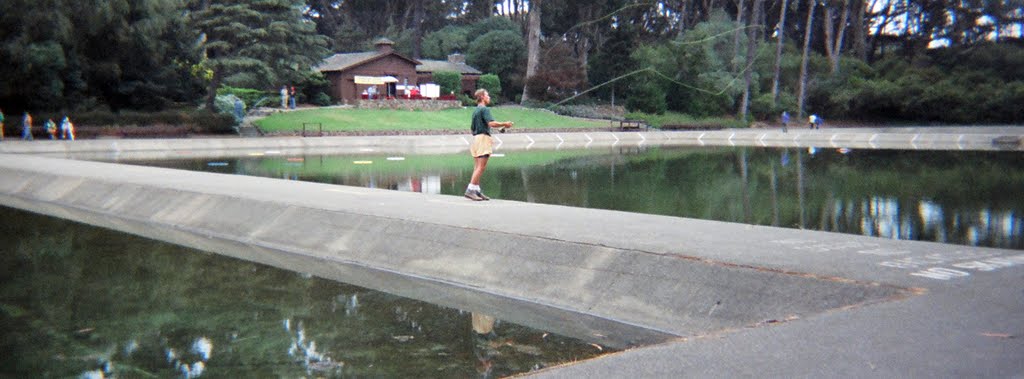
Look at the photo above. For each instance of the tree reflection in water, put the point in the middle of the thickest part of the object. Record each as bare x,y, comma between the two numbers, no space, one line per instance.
969,198
82,301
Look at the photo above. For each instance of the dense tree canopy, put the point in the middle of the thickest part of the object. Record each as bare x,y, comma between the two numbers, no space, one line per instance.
925,60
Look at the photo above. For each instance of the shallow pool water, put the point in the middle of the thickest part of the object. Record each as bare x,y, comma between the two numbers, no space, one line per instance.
81,301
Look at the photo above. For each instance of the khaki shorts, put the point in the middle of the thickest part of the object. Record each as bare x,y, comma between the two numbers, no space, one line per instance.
482,146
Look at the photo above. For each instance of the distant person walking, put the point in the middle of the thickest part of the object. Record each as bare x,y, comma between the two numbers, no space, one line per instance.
291,98
1,125
812,121
482,146
239,110
785,121
67,129
26,127
284,97
51,128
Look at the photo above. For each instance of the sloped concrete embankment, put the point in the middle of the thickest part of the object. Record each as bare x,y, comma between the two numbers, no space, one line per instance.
441,249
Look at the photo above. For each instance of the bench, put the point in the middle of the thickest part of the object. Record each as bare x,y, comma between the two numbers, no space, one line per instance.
630,124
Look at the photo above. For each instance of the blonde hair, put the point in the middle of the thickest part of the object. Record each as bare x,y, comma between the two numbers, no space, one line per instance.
479,94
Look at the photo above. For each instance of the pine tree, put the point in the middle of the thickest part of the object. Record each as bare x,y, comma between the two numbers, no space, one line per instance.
267,37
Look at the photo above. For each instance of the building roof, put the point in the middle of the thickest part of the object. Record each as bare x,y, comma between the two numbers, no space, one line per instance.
427,65
344,61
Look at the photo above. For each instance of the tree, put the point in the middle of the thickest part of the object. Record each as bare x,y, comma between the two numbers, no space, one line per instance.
834,35
741,8
751,51
450,39
780,33
499,52
533,47
803,62
82,54
268,37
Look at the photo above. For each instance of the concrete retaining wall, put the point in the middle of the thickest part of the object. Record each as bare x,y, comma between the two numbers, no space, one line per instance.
908,138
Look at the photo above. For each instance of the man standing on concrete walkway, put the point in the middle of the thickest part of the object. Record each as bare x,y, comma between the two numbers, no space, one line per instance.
482,146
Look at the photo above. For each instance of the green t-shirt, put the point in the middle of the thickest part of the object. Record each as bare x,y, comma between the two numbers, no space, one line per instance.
481,117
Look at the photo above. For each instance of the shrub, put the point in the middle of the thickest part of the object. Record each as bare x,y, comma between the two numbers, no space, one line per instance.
647,98
491,83
606,112
322,99
311,87
450,81
198,121
226,104
249,96
212,123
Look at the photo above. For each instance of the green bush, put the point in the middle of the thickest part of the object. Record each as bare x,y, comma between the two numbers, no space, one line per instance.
450,82
763,109
311,87
322,99
466,100
249,96
674,118
226,104
491,83
212,123
647,98
199,121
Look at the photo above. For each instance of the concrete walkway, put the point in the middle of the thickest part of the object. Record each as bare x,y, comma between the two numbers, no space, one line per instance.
923,138
706,298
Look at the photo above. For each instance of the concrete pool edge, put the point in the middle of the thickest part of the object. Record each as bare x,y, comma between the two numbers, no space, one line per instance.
977,138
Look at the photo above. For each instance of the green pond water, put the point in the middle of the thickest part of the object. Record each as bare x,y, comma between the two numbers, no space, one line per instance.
81,301
969,198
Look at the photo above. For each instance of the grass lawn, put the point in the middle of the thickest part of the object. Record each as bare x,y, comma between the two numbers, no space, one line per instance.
373,120
673,118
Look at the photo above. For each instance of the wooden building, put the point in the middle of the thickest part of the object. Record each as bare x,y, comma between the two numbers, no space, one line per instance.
456,63
380,73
